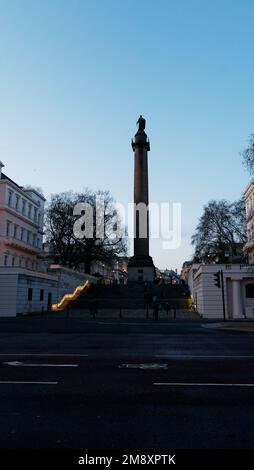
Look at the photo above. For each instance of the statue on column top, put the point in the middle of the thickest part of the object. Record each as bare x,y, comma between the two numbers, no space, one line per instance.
141,124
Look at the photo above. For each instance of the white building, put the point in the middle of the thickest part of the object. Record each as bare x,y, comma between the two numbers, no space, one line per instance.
238,290
21,225
249,204
25,285
23,291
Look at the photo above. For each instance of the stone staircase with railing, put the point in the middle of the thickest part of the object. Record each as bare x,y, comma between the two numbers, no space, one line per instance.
131,296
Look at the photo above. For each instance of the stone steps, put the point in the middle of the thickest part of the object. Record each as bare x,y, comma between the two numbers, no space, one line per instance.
137,313
130,296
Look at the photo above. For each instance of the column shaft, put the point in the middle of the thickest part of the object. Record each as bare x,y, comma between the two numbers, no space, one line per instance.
237,306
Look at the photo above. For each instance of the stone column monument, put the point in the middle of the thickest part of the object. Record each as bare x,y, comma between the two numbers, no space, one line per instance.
141,267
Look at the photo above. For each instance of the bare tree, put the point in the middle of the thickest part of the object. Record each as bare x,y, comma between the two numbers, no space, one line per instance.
248,155
221,232
71,250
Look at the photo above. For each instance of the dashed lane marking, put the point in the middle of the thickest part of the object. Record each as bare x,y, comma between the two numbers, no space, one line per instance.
190,384
22,364
143,366
197,356
42,355
17,382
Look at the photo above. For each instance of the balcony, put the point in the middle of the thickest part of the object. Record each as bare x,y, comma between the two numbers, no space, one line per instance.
15,243
20,216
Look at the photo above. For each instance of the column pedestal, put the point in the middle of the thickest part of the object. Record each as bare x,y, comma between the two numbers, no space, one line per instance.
141,269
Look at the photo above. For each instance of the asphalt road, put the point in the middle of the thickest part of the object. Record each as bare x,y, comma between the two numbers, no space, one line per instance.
78,384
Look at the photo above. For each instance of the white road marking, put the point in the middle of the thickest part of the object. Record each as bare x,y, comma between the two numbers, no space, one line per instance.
197,356
128,323
25,382
43,355
143,366
186,384
22,364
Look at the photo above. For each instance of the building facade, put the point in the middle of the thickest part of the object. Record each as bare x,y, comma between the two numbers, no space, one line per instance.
249,204
23,291
238,291
185,269
169,276
21,225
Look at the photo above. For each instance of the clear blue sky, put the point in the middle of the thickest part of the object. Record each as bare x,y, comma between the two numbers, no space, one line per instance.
76,74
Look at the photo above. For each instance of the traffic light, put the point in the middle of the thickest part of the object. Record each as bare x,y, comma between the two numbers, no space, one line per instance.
217,279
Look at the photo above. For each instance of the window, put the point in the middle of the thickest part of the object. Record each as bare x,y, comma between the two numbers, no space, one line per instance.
28,237
8,228
9,197
249,290
13,261
15,234
21,234
29,211
41,295
17,202
20,262
39,218
30,293
5,260
34,239
49,301
23,206
35,214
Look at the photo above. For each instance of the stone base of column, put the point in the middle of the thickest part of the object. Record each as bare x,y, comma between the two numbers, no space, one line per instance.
141,269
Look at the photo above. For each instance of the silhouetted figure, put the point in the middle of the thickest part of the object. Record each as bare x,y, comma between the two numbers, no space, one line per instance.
167,308
141,124
93,307
156,307
156,311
